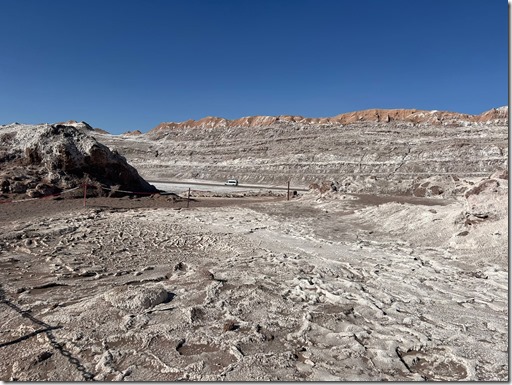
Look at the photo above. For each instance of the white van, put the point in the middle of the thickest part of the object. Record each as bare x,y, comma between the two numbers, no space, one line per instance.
231,182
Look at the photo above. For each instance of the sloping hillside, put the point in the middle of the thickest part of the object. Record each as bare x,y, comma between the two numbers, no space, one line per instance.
385,150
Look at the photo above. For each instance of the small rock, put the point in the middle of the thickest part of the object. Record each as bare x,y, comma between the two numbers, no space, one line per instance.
309,362
230,326
436,190
180,266
44,356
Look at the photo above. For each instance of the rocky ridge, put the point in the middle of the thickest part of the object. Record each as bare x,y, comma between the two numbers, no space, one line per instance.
371,115
39,160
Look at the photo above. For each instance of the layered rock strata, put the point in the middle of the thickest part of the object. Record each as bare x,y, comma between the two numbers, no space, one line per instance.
376,150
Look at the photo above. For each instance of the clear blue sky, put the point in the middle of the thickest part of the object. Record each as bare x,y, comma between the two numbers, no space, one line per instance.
130,64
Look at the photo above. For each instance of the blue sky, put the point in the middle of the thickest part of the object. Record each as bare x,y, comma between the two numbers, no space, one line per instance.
130,64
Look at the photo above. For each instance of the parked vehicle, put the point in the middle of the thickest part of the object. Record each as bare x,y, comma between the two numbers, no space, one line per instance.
231,182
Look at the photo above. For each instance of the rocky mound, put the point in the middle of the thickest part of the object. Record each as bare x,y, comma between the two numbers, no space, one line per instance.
45,159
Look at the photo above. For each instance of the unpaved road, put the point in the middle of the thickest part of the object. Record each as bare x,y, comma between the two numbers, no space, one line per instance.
267,290
180,187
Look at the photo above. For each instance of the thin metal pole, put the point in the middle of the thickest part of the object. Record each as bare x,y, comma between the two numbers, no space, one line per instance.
288,196
85,193
188,197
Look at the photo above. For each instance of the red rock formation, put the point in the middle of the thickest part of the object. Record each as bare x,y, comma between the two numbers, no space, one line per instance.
372,115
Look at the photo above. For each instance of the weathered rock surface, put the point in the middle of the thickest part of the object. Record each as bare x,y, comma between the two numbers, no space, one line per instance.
377,151
44,159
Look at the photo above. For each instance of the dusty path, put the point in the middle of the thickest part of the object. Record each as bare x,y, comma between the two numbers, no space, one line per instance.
266,291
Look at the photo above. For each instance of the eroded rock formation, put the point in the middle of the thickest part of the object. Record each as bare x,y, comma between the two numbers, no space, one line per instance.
39,160
371,115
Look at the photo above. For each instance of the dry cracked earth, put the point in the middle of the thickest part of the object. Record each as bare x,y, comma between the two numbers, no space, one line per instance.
310,289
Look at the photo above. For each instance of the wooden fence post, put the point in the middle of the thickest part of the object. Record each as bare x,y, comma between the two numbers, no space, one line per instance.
85,193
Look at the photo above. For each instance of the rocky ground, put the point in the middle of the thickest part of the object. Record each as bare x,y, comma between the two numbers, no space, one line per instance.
324,287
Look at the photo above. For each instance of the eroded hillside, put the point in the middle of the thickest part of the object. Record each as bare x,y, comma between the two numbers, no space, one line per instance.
384,150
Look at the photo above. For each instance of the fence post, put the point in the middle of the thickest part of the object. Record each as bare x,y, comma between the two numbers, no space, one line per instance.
188,197
85,192
288,195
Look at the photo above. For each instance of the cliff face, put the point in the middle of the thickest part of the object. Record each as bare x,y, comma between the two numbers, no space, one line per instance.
376,150
45,159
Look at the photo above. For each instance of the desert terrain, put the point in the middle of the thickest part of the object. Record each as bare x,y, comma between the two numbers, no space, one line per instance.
397,274
372,151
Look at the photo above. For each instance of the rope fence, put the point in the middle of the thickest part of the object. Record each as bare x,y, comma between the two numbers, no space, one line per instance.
84,186
43,197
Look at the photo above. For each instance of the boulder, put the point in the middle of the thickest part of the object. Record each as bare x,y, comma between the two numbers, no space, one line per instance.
486,201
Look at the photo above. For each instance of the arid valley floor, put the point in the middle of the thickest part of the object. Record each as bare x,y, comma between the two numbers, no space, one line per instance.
316,288
391,263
